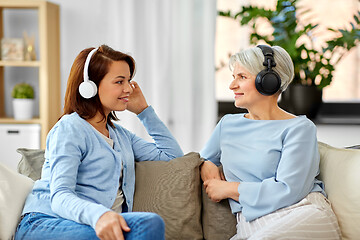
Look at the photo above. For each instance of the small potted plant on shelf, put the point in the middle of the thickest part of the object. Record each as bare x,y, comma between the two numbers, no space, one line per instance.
314,66
23,101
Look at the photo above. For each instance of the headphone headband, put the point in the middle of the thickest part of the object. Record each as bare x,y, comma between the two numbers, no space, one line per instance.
88,88
87,62
269,56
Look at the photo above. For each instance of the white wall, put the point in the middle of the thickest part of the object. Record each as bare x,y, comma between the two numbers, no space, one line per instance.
84,23
339,135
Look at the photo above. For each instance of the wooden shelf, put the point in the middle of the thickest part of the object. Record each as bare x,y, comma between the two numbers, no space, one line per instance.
14,121
48,27
19,64
33,4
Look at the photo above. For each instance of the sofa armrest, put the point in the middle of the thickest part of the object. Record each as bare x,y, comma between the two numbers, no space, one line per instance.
339,170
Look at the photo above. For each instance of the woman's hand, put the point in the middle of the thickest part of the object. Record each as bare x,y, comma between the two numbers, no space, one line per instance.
218,190
210,171
137,102
110,226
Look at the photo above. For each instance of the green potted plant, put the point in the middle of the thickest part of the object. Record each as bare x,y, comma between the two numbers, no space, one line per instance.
314,67
23,101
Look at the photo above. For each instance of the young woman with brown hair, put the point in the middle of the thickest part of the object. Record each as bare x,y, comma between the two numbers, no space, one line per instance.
88,179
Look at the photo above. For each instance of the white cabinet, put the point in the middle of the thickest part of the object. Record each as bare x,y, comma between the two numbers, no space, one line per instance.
14,136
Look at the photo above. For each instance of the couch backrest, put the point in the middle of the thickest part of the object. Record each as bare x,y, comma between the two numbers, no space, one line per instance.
340,172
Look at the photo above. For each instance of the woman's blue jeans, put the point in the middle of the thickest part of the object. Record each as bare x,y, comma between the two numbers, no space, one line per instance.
40,226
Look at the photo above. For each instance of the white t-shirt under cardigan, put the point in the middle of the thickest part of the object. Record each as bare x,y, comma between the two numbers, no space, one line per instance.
80,176
117,205
275,161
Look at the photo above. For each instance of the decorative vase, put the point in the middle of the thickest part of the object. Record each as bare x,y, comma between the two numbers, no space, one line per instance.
23,108
302,100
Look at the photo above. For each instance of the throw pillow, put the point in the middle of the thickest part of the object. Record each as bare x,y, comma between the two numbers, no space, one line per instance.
217,218
172,190
31,162
14,189
339,170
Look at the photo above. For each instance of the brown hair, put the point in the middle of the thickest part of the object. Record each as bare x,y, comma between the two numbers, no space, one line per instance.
98,68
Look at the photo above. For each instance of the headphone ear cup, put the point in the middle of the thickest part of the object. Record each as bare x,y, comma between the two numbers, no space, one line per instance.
267,82
88,89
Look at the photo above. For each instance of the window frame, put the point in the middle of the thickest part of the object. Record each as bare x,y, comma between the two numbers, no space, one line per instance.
337,113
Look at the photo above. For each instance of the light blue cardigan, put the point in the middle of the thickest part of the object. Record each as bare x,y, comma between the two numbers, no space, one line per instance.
275,161
80,176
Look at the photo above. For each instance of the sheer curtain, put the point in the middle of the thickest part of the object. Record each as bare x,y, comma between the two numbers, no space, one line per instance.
173,45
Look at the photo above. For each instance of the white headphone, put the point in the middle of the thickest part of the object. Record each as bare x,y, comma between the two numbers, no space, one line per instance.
87,88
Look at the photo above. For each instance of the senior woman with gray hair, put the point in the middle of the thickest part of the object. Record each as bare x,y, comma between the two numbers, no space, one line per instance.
270,157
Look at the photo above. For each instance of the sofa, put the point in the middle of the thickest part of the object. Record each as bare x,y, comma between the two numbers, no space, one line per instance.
174,190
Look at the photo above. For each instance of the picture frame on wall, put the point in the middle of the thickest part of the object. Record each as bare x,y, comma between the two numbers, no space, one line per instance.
12,49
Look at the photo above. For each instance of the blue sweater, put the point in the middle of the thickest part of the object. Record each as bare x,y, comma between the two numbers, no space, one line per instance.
80,176
275,161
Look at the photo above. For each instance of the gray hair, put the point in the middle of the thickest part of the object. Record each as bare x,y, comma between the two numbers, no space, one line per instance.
252,59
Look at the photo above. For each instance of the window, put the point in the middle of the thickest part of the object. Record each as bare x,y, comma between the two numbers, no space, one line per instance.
342,97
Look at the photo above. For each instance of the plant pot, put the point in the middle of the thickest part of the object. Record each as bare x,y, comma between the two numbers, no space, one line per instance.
23,108
302,100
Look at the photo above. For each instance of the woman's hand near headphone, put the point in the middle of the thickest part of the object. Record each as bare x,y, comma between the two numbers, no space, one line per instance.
137,102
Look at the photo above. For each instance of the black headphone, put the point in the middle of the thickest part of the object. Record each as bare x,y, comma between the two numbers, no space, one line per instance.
267,82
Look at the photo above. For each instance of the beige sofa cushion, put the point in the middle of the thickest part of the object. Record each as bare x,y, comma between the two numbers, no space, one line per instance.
14,189
340,171
172,190
218,221
31,162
